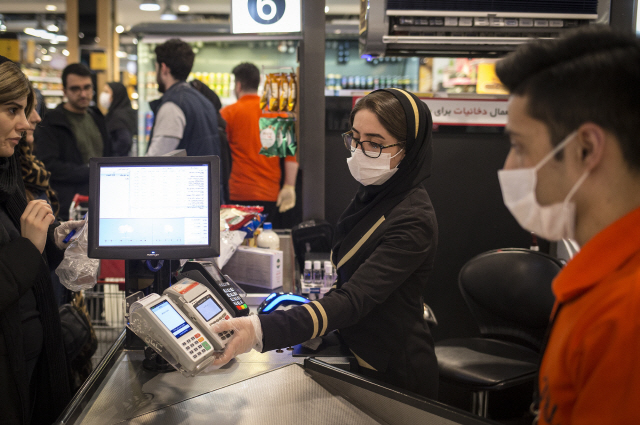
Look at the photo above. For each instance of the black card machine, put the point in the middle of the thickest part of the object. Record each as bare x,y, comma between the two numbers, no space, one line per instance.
208,273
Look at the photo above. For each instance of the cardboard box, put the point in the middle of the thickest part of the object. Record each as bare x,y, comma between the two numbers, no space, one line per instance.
256,266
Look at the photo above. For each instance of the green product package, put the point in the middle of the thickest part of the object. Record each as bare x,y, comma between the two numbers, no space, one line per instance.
291,143
269,128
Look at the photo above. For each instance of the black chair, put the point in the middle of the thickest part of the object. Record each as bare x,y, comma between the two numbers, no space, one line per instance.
509,294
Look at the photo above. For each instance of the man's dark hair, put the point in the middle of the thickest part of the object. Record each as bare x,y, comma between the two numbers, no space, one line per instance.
75,69
178,56
248,75
590,75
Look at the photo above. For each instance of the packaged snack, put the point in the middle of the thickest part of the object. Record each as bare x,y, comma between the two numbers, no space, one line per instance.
282,126
284,92
293,93
274,100
292,144
266,92
269,136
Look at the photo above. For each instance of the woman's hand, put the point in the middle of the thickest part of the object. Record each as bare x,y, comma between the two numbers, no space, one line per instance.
247,334
61,232
35,221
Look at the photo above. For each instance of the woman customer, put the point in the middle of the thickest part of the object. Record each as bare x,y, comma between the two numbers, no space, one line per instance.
121,119
383,250
33,371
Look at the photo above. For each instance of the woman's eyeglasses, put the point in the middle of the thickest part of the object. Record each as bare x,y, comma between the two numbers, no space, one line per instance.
370,149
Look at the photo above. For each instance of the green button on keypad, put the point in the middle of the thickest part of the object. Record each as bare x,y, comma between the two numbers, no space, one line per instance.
206,345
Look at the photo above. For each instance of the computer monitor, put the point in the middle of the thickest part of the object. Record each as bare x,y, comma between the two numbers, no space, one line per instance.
164,208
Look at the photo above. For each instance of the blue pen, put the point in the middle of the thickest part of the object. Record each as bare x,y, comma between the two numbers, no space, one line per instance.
71,233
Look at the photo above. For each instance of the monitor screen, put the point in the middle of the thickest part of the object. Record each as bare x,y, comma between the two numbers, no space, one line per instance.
154,208
171,318
208,308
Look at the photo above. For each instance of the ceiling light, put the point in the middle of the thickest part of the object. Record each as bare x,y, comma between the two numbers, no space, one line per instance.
52,49
65,52
184,8
326,9
51,7
3,27
121,54
38,61
119,29
52,28
149,5
168,14
46,58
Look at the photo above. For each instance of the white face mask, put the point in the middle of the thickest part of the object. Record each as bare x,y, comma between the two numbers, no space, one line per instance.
104,100
371,171
552,222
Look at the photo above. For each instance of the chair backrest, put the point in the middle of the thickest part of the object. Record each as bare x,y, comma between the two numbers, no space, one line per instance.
509,293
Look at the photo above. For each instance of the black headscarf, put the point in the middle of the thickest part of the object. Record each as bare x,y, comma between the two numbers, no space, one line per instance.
373,201
121,114
208,93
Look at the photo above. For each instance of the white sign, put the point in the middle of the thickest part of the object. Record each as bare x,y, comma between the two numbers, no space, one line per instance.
479,112
265,16
468,111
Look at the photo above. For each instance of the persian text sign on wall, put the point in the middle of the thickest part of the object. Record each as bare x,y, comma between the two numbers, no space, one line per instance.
481,112
265,16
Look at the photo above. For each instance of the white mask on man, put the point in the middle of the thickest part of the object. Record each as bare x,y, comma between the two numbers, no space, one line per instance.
105,100
552,222
371,171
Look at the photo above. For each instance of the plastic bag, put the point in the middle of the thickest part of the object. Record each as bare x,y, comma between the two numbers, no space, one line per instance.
77,271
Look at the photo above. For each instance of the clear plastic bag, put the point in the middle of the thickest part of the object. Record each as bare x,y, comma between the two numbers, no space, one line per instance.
77,271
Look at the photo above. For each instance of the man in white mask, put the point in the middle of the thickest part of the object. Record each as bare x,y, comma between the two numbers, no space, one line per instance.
574,171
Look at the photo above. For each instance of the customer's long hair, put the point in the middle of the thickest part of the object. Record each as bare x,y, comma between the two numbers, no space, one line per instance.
14,85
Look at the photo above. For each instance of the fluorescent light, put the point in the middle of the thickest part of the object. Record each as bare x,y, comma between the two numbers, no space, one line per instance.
46,35
52,49
184,8
65,52
51,7
38,61
149,6
46,58
134,95
121,54
326,9
53,28
119,29
168,15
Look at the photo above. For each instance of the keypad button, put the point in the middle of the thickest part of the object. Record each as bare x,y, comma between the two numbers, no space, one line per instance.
223,337
184,343
197,336
190,351
195,356
231,332
200,339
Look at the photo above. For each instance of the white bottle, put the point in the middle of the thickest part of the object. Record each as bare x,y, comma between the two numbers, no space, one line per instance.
328,274
307,276
268,238
317,273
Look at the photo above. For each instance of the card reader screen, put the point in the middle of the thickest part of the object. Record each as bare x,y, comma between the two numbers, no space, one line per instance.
171,318
208,308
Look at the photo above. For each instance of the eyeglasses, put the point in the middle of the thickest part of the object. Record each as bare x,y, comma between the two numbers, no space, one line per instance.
370,149
78,89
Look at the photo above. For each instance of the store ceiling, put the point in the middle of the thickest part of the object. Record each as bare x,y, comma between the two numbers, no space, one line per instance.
129,14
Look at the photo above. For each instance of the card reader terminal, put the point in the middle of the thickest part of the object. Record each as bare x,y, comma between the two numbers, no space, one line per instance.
159,322
209,273
203,307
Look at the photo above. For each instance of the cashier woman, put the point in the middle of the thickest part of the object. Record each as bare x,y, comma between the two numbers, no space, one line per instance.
383,250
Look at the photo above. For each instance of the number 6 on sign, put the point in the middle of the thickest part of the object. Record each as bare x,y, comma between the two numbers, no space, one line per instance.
260,9
266,12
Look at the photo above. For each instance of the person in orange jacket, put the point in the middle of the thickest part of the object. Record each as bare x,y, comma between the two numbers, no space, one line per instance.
573,172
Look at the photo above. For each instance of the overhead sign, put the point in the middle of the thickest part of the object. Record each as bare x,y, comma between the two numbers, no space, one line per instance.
265,16
471,112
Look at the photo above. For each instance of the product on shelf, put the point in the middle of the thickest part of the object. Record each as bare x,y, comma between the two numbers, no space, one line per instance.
277,136
280,92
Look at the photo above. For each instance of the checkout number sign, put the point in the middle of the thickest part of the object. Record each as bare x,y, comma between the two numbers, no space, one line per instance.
265,16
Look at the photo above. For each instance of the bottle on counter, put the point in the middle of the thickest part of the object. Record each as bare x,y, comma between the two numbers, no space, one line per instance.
307,276
329,276
317,273
268,238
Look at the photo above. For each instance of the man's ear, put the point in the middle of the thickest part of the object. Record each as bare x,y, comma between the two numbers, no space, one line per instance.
592,141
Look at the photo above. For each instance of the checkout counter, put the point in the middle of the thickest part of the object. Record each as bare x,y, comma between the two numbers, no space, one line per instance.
255,388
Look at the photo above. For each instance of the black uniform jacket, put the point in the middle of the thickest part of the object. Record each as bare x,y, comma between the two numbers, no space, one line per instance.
377,304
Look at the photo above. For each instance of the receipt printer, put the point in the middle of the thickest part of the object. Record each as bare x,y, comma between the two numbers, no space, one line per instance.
201,306
164,327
